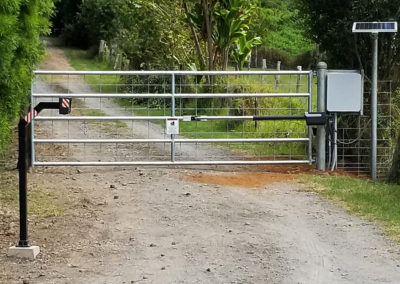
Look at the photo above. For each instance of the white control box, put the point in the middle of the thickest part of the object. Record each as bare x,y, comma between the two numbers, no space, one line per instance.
345,91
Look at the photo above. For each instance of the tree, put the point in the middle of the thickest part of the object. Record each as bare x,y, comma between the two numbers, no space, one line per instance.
219,24
280,26
329,25
21,24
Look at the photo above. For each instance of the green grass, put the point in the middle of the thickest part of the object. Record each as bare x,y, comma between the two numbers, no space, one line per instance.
42,203
81,60
376,201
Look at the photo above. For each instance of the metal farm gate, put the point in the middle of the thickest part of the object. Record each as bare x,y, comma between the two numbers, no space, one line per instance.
172,118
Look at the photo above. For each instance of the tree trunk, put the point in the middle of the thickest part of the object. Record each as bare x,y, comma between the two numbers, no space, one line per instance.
208,18
394,174
196,39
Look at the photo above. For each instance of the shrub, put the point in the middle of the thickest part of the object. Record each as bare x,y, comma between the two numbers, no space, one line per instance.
21,24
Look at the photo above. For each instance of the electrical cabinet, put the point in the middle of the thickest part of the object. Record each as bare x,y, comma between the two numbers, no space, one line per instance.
345,91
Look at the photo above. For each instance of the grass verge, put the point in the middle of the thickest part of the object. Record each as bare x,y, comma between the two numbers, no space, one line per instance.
375,201
42,202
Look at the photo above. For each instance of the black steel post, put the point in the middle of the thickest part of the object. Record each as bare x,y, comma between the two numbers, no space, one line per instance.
24,162
23,193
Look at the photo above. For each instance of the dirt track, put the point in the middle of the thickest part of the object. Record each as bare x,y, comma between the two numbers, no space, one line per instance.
164,225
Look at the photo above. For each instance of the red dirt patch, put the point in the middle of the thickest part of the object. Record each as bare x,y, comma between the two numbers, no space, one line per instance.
254,177
249,179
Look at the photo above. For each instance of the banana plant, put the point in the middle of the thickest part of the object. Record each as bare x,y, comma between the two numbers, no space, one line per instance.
231,19
242,50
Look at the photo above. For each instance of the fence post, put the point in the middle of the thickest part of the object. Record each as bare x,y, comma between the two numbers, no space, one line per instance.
264,68
101,47
117,61
256,58
264,64
277,77
321,107
299,68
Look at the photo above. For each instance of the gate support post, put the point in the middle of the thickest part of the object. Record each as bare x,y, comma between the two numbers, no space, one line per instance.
23,249
321,107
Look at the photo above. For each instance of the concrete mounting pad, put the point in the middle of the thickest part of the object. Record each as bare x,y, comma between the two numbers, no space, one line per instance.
24,252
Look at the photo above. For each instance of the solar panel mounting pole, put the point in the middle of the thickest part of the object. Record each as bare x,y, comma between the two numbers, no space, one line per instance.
374,106
374,28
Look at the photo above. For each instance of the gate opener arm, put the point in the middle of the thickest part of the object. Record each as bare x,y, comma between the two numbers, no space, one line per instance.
312,118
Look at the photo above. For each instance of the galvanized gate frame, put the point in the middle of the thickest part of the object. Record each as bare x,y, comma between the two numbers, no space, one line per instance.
173,96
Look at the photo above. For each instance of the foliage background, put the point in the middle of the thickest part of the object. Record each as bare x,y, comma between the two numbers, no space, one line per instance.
21,24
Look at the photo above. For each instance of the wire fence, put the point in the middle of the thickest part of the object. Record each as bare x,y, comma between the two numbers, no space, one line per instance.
354,135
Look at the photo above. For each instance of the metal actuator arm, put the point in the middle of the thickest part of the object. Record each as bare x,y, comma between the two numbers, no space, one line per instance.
313,118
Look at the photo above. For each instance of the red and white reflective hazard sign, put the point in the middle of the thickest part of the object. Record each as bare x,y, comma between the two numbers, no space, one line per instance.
65,103
30,116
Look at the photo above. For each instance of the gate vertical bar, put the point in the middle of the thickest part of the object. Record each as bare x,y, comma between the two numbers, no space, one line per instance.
374,106
321,107
173,115
310,76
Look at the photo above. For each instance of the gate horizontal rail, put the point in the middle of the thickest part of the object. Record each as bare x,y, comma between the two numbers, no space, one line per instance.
234,116
170,163
105,141
198,118
186,96
166,73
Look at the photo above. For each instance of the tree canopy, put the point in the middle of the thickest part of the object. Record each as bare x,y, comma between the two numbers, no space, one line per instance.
194,34
329,24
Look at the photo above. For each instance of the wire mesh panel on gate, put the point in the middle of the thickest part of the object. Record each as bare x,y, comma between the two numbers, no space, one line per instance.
120,116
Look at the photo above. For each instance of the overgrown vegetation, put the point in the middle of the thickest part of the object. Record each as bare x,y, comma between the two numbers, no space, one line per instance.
201,34
21,24
375,201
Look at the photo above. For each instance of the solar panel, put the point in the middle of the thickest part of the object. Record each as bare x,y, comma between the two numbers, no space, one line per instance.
375,27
